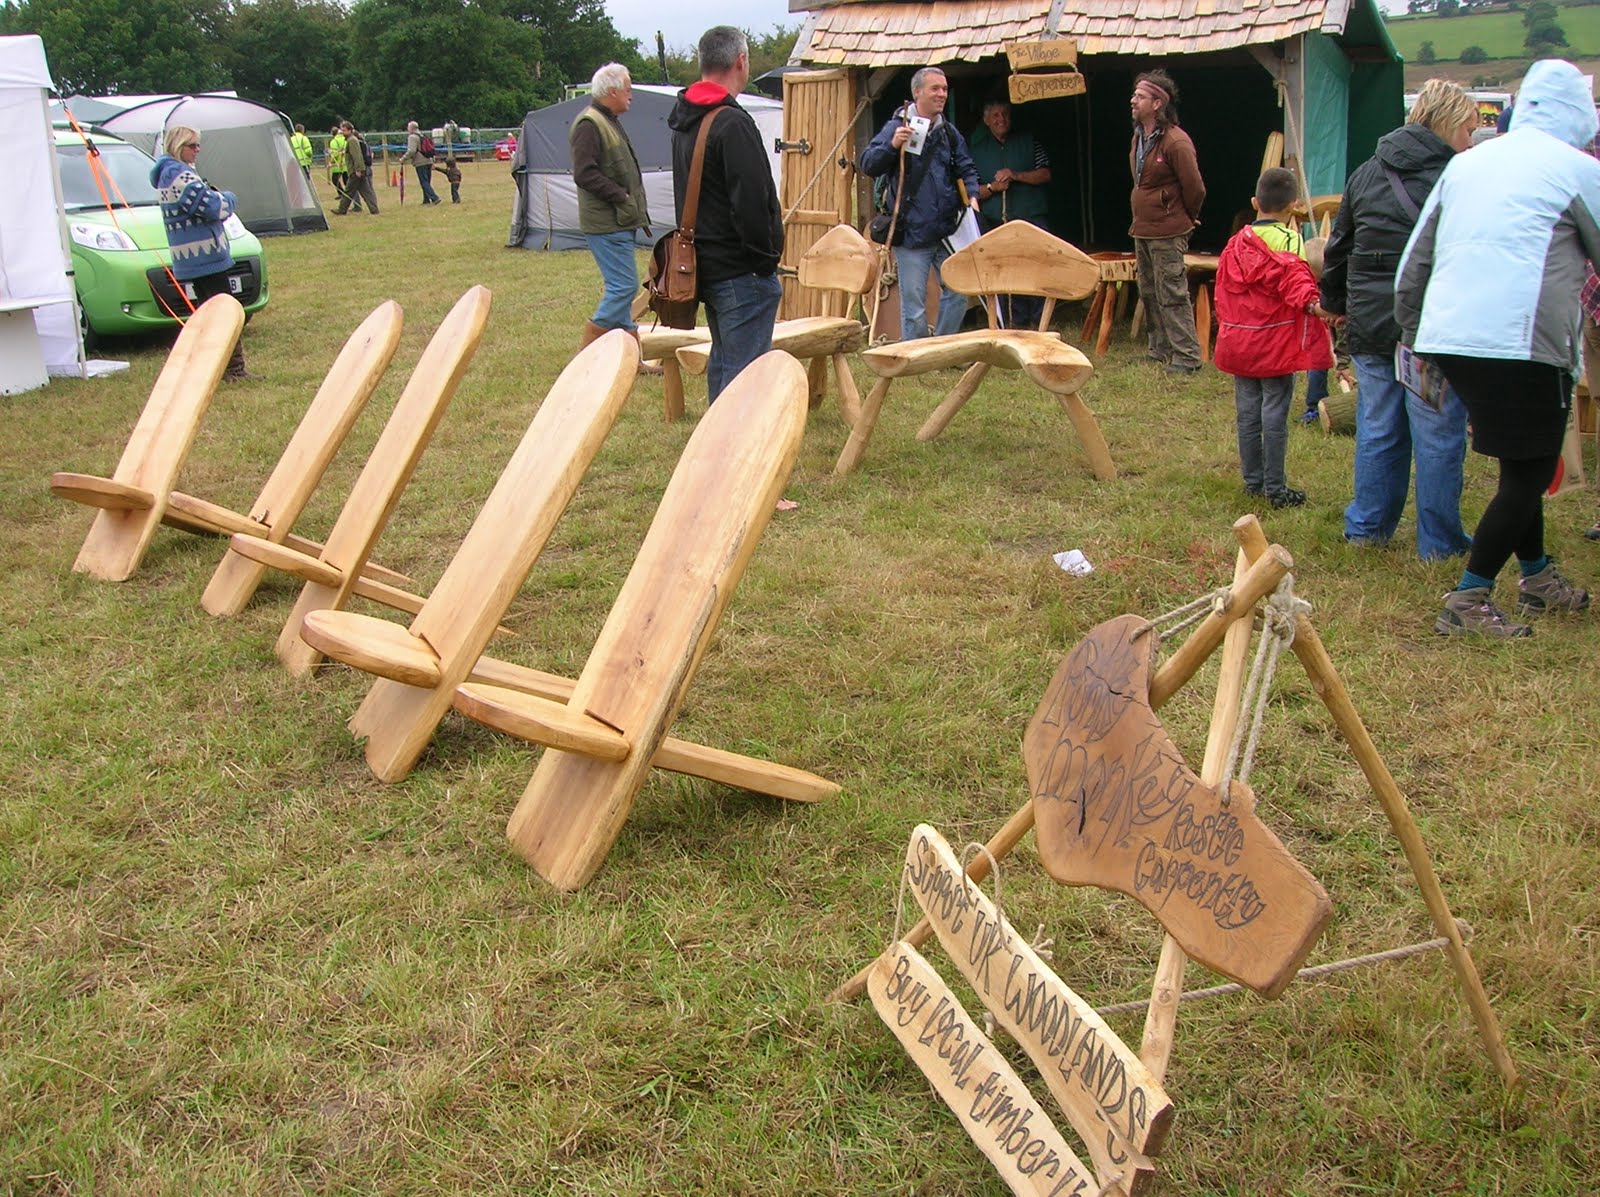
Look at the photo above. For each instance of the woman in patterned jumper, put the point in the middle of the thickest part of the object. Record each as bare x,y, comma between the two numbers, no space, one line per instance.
195,214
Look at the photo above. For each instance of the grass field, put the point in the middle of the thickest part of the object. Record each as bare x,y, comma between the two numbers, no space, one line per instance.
1499,33
231,962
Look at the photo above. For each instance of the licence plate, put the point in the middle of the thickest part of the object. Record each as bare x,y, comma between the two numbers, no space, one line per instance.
235,284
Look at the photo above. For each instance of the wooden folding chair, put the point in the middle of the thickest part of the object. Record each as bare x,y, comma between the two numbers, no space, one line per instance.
133,501
604,738
333,574
1015,259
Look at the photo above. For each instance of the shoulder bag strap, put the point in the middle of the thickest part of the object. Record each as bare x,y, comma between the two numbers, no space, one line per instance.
1402,197
691,201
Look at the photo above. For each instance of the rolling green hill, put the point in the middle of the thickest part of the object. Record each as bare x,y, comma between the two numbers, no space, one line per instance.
1499,33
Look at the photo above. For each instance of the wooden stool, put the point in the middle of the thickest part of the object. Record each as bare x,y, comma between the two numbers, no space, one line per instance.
1118,278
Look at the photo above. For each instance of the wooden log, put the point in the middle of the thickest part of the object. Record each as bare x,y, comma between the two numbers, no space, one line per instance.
1337,413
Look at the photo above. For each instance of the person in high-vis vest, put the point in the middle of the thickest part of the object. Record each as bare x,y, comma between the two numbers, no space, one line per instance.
339,166
301,145
611,199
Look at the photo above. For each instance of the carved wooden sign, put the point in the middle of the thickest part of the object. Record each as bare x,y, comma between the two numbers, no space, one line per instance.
1117,807
1047,52
984,1092
1118,1109
1024,88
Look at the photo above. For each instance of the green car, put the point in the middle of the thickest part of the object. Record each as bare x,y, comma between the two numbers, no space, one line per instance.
119,243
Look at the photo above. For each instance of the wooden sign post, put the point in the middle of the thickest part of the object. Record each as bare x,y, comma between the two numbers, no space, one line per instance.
1117,1108
1050,52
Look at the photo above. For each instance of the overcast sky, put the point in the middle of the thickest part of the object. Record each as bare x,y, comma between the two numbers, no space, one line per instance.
682,22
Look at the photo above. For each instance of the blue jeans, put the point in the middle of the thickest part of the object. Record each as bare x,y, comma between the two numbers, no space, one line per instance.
1316,388
425,178
1261,412
619,271
1393,427
741,312
913,266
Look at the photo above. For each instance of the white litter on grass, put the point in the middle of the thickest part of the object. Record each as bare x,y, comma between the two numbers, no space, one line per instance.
1073,561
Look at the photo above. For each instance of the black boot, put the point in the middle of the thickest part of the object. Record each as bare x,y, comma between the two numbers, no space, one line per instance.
235,371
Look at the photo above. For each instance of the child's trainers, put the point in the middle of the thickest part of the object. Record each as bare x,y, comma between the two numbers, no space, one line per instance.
1472,612
1288,497
1547,591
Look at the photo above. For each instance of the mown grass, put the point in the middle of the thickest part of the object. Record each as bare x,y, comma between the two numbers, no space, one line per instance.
1499,33
232,962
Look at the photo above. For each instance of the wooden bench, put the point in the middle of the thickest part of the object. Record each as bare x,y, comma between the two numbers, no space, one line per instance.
844,266
333,574
1015,259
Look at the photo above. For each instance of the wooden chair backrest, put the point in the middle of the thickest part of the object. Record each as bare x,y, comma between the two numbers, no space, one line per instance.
1019,258
410,426
841,260
340,399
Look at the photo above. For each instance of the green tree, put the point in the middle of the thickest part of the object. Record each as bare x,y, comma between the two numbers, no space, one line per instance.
433,60
294,55
578,37
1474,54
100,47
1449,8
1426,53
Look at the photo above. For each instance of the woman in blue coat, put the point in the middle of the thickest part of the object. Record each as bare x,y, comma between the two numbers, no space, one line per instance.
1488,290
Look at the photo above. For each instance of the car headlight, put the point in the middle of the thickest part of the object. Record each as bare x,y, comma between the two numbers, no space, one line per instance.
99,236
235,227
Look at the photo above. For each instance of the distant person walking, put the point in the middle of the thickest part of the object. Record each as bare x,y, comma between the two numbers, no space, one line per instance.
1167,195
195,215
358,155
611,199
419,154
301,145
339,166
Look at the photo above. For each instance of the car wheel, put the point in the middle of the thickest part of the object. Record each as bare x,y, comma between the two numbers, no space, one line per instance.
91,339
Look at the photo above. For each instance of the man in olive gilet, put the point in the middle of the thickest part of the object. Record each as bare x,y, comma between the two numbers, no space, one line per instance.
611,199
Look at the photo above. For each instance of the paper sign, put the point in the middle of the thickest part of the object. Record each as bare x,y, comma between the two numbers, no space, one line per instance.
919,132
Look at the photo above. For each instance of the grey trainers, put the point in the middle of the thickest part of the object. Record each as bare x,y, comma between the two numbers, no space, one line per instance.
1472,612
1547,590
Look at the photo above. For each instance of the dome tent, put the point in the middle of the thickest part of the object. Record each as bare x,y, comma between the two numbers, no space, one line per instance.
545,212
246,152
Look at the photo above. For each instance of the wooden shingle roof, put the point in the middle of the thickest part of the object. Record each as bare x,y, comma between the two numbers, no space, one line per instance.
875,33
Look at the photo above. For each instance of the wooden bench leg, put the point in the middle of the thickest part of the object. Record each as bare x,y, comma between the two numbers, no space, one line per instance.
1107,311
1088,430
1202,321
849,396
959,394
1089,321
671,389
861,431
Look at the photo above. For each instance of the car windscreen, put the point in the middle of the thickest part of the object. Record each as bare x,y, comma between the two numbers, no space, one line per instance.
126,177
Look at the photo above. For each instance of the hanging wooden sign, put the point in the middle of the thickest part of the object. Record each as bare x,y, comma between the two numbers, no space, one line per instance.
992,1104
1116,806
1046,52
1024,88
1118,1109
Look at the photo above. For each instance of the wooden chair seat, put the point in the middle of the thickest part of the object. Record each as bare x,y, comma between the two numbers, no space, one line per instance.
1015,259
290,561
804,337
105,493
372,645
541,721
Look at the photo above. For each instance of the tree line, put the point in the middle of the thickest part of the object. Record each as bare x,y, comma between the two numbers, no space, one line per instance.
378,63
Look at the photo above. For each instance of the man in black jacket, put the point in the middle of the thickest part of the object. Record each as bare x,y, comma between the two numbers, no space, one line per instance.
738,230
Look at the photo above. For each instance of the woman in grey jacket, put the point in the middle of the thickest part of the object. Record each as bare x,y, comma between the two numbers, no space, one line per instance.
1488,290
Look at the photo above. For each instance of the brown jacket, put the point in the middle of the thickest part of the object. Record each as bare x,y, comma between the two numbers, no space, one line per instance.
1167,195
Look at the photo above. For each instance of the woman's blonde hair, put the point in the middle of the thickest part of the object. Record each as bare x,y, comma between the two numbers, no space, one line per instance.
1442,107
176,137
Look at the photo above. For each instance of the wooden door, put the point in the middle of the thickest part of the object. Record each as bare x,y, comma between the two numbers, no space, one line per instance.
819,108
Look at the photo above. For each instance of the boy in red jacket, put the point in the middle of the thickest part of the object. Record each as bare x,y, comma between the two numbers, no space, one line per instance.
1268,330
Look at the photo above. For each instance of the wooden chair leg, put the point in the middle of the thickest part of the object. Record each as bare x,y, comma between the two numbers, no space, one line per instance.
1107,311
861,431
1202,321
1089,321
1124,293
1088,430
849,396
1138,319
959,394
671,389
816,382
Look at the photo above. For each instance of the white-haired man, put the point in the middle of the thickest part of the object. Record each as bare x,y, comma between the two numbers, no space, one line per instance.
611,199
419,153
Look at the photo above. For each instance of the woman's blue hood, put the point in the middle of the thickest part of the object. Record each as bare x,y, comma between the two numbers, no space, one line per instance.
1555,99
